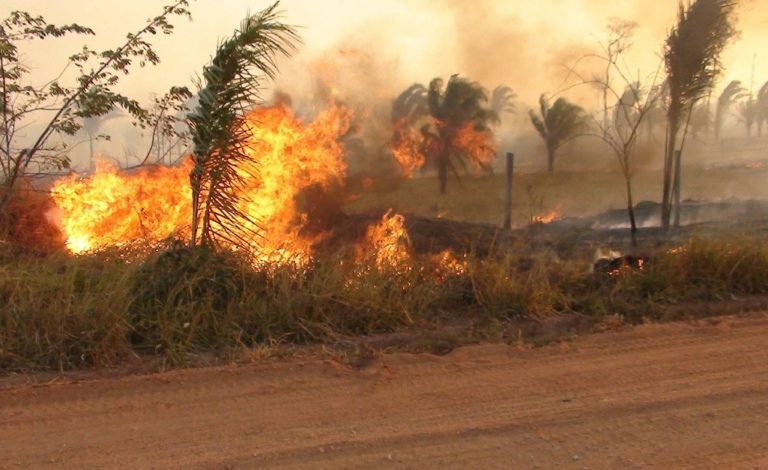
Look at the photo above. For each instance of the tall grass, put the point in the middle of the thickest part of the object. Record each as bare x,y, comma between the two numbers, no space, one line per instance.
61,312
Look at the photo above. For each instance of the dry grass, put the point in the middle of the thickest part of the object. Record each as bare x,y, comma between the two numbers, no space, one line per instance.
481,199
61,312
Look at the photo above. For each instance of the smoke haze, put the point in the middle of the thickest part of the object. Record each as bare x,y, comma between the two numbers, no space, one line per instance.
370,51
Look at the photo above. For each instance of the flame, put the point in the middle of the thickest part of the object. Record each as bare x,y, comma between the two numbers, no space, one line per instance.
407,149
114,208
288,157
476,144
547,218
387,244
447,265
411,148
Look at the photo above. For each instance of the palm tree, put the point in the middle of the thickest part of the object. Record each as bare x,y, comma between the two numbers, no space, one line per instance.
557,125
410,105
692,61
762,108
92,125
454,108
747,113
701,119
218,127
730,95
502,100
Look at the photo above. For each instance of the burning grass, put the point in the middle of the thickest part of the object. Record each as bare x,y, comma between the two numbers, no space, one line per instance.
62,312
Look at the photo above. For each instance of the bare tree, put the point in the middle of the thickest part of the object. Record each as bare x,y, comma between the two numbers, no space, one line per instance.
635,105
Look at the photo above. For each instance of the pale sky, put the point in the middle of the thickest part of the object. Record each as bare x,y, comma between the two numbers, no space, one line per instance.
526,45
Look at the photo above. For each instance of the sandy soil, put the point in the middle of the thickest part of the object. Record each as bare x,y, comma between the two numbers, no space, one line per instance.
661,396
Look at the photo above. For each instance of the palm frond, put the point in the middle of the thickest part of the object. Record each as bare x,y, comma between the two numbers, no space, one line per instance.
411,104
559,122
502,100
233,82
730,95
692,52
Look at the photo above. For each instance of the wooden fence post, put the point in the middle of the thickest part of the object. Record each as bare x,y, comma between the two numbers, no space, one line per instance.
508,201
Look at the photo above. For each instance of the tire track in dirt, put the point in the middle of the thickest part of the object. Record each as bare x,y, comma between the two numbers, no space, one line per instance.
674,395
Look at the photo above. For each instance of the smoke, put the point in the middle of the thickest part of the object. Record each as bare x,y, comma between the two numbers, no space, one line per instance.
364,54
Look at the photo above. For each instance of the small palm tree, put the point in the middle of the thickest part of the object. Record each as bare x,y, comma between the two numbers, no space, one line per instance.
762,108
503,100
730,95
692,62
410,105
557,125
747,114
453,107
218,126
92,125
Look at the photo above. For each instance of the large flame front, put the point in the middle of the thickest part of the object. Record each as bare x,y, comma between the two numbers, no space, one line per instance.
287,158
113,208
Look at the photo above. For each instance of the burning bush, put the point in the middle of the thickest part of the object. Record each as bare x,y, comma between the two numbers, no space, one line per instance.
112,208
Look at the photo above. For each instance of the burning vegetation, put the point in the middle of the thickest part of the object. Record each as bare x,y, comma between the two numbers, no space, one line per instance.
248,237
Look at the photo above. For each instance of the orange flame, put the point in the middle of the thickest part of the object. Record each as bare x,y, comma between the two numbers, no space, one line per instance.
387,244
407,149
447,265
113,208
476,144
411,148
547,218
287,158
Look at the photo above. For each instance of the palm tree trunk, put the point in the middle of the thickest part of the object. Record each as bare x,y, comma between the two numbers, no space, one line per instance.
442,171
550,159
666,199
677,189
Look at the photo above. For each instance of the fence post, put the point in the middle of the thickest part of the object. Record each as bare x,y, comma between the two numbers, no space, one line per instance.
508,201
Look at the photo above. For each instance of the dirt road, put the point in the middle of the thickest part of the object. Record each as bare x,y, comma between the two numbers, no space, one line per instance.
662,396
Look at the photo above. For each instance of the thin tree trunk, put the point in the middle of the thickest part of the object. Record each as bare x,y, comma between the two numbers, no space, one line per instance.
92,164
631,208
550,159
666,199
442,172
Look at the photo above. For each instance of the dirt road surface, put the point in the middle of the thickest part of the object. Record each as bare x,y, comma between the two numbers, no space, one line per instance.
660,396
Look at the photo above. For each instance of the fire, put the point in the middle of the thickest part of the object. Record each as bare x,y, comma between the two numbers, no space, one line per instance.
287,158
412,148
389,244
407,149
477,144
448,265
547,218
113,208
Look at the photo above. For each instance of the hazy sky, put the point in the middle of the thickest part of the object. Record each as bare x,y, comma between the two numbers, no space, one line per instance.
380,47
524,44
